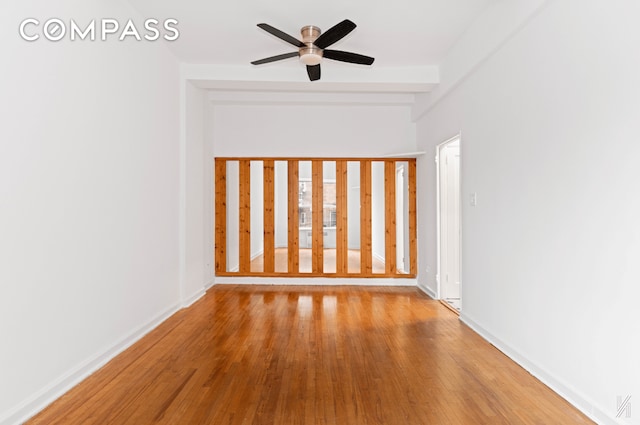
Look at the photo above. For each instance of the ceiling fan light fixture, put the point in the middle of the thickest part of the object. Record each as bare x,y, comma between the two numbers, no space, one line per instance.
310,55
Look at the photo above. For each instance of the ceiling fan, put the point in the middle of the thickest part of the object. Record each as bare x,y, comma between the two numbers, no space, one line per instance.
313,47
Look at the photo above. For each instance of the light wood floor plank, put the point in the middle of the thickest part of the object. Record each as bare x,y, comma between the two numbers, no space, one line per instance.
311,355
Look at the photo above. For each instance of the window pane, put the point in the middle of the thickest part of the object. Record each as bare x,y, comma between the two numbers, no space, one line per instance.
377,217
305,234
353,218
281,216
329,215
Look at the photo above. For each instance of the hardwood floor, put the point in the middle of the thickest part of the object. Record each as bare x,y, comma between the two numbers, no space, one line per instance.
329,261
311,355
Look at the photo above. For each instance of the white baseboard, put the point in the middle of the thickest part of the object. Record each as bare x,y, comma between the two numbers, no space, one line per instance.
193,298
427,291
209,284
73,377
563,389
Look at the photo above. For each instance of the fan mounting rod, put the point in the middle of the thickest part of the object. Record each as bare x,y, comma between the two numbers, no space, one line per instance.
310,33
310,54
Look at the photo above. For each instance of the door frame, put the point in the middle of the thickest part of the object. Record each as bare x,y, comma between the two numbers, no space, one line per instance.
439,148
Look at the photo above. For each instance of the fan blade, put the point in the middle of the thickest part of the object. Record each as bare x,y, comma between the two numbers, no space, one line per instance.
314,72
339,55
335,33
281,35
275,58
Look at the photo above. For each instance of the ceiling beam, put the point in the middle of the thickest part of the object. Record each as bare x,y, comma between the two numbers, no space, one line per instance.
340,79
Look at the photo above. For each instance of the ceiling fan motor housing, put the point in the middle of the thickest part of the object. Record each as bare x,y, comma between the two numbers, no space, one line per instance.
310,54
310,33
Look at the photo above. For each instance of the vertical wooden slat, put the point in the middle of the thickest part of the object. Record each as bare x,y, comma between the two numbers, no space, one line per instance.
342,246
245,216
390,217
294,221
269,217
317,254
220,236
365,217
413,220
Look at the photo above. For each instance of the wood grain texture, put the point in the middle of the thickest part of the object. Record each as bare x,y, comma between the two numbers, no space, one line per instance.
413,219
268,266
311,355
220,236
365,218
294,221
390,241
341,218
317,259
269,216
245,216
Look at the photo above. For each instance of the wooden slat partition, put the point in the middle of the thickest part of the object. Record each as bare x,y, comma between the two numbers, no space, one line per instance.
317,253
293,249
269,216
366,262
390,217
222,213
245,215
413,220
220,236
342,246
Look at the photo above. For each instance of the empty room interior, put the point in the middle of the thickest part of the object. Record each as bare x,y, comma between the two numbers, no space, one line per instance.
409,212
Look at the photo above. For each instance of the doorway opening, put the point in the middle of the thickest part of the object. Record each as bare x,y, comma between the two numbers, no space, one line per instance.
449,232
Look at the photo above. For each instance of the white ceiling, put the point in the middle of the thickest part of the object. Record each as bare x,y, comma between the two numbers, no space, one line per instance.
399,33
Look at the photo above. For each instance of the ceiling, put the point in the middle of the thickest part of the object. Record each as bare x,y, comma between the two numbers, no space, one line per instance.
399,34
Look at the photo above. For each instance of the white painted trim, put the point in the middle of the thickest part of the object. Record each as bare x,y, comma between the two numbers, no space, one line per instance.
404,155
377,79
182,190
439,147
427,291
562,388
209,284
193,298
311,281
73,377
209,194
271,98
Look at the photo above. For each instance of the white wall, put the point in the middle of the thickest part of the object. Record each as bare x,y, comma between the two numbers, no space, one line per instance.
485,36
549,129
310,128
196,182
89,200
